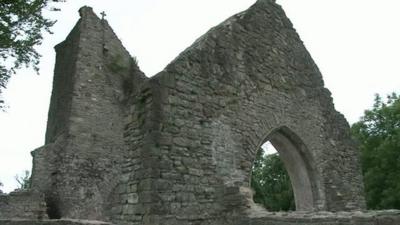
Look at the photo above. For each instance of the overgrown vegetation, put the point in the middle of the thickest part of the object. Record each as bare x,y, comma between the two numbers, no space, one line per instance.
1,185
378,133
116,64
24,180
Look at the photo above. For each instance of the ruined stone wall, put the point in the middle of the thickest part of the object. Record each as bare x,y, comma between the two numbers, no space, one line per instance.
22,205
80,166
135,196
178,148
196,126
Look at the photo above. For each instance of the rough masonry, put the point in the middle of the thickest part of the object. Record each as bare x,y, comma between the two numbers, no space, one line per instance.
178,148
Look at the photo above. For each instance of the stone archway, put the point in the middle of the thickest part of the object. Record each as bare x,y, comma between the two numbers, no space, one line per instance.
298,163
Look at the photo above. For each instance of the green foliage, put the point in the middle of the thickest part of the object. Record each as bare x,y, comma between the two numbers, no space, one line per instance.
378,133
24,180
271,183
21,27
1,185
116,65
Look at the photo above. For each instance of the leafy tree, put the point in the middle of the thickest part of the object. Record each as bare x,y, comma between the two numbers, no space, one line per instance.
271,183
24,181
1,185
21,28
378,133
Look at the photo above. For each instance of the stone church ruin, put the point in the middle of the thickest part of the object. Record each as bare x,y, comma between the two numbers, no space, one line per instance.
178,148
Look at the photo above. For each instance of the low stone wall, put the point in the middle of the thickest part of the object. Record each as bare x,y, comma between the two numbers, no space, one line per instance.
387,217
50,222
22,205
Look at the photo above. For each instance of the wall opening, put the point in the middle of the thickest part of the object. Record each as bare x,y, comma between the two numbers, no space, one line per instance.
52,208
282,177
270,181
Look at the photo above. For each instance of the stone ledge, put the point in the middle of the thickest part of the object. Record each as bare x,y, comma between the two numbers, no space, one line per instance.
51,222
384,217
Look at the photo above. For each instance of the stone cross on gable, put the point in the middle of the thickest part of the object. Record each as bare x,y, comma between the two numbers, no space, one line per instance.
103,14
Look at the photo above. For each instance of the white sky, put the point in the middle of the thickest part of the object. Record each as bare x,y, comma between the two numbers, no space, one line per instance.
355,43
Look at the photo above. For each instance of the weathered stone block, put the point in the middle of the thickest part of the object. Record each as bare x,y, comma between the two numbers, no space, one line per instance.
23,205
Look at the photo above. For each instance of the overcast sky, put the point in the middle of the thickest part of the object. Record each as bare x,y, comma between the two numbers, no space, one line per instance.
355,43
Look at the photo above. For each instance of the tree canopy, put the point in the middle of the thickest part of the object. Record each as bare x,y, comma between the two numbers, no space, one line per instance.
378,133
21,29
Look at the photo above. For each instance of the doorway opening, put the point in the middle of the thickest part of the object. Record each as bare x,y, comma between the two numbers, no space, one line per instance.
270,181
282,176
